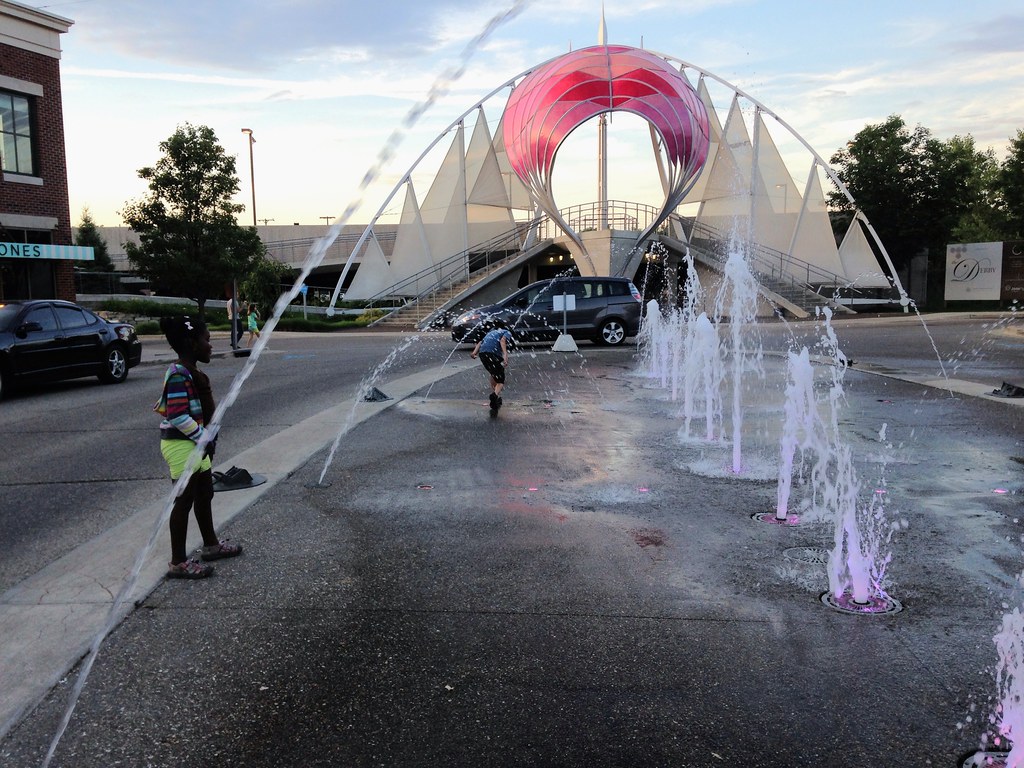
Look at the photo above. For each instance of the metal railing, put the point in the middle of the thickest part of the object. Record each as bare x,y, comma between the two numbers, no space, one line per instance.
769,265
779,271
294,251
455,269
620,215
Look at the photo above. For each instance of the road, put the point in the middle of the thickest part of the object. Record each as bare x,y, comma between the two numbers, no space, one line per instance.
401,601
80,456
983,347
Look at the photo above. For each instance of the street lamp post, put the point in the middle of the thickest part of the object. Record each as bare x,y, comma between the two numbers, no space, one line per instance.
252,173
235,324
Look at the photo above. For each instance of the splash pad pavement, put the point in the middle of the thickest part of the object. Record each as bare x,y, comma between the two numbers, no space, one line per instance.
572,583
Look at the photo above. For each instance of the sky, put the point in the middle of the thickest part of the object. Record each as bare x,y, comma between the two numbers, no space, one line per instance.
325,84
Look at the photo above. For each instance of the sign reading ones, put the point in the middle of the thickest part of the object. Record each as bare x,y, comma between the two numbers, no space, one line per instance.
39,251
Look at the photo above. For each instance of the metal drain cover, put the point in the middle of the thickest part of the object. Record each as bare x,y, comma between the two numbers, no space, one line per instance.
875,605
985,760
770,517
814,555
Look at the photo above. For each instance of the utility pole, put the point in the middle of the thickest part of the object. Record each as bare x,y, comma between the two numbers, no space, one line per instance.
327,218
266,221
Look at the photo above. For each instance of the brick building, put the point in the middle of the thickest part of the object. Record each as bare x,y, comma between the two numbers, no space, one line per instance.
36,251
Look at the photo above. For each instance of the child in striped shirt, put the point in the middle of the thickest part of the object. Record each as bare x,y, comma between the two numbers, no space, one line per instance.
187,406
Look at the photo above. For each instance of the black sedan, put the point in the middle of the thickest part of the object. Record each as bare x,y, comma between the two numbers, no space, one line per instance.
47,340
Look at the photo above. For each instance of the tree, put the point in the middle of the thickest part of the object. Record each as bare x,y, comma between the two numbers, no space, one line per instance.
265,282
919,192
89,236
190,243
982,221
1010,186
882,169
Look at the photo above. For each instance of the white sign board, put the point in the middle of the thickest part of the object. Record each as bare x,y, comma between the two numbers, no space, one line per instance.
974,271
565,302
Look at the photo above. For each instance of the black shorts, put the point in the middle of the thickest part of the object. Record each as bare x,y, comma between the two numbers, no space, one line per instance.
494,366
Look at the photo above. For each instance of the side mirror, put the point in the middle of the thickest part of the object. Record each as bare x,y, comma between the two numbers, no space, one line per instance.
25,328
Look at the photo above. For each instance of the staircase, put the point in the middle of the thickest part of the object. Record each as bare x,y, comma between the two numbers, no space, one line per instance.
417,314
772,269
780,287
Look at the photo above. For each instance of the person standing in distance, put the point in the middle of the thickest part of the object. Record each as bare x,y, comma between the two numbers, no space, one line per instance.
187,405
493,352
253,317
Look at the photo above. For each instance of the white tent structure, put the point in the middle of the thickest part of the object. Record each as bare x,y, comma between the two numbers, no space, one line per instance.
745,189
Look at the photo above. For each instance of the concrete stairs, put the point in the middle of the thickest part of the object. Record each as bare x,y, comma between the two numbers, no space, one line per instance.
418,313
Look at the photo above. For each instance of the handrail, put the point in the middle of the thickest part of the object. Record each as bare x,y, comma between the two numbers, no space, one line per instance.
454,268
771,264
768,264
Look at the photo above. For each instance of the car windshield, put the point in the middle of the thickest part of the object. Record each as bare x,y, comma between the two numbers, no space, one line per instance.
528,297
7,314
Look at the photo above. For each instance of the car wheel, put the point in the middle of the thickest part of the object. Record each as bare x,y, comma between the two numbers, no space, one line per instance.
5,381
115,365
612,333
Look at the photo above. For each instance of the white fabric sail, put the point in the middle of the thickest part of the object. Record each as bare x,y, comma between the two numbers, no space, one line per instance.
859,263
411,253
696,193
777,201
488,210
726,204
444,212
519,195
813,241
373,274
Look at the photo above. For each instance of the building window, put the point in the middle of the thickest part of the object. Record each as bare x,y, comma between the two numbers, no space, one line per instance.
16,153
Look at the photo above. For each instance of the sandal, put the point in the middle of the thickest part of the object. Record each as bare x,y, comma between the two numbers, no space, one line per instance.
234,478
188,569
221,550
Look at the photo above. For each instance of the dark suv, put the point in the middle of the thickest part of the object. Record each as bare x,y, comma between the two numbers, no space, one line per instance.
607,311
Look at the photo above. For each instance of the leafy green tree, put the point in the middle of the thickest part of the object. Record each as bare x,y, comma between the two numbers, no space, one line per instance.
1010,186
89,236
266,280
919,192
882,168
190,242
956,189
982,221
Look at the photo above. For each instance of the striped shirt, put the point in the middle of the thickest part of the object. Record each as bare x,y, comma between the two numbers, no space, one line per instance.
181,403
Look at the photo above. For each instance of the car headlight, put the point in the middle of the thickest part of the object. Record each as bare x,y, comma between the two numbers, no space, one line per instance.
467,318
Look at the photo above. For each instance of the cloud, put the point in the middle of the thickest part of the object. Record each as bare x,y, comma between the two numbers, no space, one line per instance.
1003,34
245,36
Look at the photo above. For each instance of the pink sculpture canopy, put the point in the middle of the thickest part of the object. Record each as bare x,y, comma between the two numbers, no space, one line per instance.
558,97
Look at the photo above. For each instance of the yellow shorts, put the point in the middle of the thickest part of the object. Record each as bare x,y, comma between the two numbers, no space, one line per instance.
176,453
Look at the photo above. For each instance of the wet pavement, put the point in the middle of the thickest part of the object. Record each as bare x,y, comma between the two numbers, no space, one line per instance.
572,583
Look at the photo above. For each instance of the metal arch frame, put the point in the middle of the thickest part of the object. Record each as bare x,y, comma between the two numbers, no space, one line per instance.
859,215
408,174
905,300
561,96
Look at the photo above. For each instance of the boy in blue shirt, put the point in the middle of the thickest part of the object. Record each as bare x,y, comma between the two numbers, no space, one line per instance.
493,352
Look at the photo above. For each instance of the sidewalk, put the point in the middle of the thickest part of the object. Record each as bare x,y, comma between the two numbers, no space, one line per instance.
572,583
